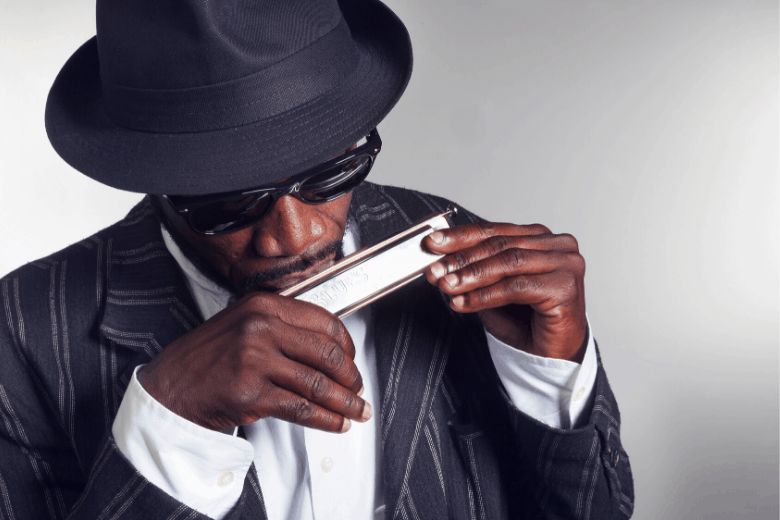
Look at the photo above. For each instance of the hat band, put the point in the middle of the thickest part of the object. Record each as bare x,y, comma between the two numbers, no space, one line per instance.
297,79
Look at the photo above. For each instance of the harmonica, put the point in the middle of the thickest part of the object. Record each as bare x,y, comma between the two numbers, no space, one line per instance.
373,271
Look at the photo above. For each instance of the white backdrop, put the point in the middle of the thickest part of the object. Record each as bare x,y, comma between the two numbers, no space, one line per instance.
647,129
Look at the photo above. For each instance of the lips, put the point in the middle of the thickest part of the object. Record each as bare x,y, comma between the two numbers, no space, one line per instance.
292,279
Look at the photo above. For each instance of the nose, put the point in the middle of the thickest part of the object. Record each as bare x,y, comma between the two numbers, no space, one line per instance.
288,229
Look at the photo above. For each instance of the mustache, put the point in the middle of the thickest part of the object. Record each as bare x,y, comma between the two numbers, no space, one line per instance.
259,280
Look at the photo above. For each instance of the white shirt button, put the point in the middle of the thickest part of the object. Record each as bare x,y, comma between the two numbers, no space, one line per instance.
579,393
326,464
225,478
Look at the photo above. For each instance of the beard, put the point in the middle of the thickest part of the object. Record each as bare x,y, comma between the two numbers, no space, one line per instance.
257,281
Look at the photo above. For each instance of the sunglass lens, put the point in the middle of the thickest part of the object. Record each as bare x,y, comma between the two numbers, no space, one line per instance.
336,181
228,215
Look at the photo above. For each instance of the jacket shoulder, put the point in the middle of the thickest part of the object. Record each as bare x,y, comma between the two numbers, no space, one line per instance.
80,252
413,205
74,276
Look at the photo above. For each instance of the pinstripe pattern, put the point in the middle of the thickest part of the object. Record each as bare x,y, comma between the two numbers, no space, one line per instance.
181,510
472,509
18,340
98,269
132,252
469,439
391,393
15,430
101,461
119,496
129,501
588,471
74,326
435,370
436,454
6,510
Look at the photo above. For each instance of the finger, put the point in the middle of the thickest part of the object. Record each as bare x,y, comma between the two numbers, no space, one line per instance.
453,239
506,264
321,390
321,353
544,292
305,315
496,245
290,407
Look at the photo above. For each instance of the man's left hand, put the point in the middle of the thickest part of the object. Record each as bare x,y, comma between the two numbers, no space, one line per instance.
525,283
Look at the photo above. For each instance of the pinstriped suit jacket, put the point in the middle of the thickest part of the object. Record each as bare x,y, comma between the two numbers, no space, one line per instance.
75,324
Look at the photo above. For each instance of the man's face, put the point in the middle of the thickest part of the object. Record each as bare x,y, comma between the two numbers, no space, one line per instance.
292,241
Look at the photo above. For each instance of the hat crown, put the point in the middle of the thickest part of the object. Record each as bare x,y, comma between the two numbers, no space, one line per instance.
179,44
189,97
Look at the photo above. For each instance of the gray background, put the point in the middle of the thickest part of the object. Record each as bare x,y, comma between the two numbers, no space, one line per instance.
647,129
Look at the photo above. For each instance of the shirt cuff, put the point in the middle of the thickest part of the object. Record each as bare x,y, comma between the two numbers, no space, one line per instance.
557,392
201,468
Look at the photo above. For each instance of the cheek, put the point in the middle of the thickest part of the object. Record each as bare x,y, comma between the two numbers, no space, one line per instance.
224,251
339,208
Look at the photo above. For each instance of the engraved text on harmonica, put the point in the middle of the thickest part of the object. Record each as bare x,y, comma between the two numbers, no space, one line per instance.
371,276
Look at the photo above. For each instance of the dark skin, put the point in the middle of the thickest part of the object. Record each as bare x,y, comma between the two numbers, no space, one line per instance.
273,356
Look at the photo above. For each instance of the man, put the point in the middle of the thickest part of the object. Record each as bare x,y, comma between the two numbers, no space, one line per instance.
152,370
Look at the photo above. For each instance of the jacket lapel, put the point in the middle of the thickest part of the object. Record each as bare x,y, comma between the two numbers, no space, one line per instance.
148,304
412,334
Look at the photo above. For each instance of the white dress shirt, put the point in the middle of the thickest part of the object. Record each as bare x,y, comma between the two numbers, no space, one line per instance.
307,474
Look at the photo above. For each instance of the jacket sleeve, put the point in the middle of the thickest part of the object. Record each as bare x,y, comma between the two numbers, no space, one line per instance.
583,473
44,470
116,490
579,473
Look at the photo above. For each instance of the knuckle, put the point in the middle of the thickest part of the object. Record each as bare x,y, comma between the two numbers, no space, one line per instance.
249,359
578,262
474,272
526,284
519,284
459,260
303,410
320,386
539,229
484,297
257,301
357,380
569,241
515,257
497,243
245,395
350,402
487,229
351,377
252,326
336,328
331,354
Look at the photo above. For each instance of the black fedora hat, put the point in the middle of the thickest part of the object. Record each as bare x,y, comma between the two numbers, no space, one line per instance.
189,97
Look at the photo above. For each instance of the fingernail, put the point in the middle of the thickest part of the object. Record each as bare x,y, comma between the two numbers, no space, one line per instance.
362,389
346,426
367,412
437,237
458,301
451,279
438,270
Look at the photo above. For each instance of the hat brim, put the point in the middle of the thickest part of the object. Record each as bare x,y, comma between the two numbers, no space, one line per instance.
235,158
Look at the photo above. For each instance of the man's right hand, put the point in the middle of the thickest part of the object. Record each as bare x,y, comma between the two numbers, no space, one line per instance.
264,356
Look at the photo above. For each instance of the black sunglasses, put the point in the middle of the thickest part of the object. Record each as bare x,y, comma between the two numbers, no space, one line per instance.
227,212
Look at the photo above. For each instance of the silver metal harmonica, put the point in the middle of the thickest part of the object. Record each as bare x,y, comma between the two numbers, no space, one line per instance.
374,271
